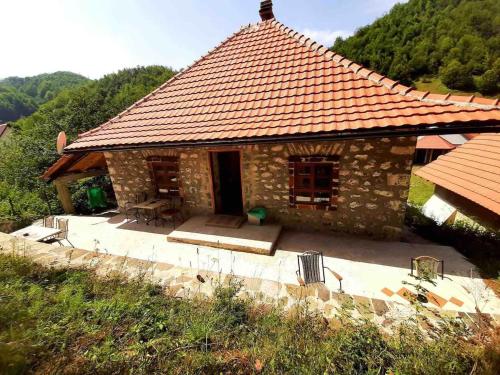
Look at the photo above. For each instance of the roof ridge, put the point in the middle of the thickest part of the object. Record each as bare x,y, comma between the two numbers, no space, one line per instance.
384,81
175,77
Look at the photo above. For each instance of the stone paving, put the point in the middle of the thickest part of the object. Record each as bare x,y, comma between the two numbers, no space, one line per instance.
187,283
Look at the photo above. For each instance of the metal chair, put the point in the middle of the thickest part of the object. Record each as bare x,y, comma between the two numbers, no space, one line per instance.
63,226
427,266
48,221
170,214
311,266
141,197
131,211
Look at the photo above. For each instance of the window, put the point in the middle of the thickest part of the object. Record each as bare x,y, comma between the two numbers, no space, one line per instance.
164,171
313,182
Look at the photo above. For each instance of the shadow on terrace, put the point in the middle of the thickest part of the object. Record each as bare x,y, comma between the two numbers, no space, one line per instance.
112,233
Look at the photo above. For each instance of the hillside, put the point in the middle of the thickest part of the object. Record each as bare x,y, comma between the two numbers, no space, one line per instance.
449,44
30,149
62,320
21,96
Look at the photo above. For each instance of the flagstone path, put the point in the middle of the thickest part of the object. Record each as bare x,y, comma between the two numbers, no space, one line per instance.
188,283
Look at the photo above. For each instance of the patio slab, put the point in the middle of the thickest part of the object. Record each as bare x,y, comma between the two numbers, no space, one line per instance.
187,283
247,238
367,267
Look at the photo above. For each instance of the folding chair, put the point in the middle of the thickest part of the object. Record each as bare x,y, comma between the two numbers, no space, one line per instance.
63,225
48,221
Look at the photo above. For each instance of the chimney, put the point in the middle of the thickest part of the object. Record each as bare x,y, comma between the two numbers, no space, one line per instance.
266,10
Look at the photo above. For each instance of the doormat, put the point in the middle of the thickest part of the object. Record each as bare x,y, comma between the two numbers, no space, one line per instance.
225,221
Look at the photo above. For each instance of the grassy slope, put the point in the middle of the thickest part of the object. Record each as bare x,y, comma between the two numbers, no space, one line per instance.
435,85
69,321
420,190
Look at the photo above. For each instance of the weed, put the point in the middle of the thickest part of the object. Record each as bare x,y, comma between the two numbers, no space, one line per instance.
73,321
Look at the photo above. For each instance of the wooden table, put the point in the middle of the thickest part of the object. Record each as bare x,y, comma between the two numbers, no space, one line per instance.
152,205
36,233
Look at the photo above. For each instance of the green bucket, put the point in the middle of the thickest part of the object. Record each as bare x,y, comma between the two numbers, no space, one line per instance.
97,198
257,215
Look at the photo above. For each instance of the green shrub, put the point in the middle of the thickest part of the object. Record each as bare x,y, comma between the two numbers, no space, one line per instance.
488,82
455,75
71,321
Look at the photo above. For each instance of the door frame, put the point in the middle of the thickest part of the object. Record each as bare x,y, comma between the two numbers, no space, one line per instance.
210,175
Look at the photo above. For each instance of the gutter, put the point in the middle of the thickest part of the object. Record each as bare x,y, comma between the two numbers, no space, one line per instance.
435,129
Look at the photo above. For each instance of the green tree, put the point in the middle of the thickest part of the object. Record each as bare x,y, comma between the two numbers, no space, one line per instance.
21,96
456,76
488,82
30,150
422,38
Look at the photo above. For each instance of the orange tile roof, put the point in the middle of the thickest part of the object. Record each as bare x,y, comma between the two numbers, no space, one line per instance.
471,170
269,81
75,163
434,142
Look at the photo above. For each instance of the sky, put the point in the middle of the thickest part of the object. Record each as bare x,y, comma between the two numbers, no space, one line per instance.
96,37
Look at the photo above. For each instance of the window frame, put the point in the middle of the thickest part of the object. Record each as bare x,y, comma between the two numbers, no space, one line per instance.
328,202
166,165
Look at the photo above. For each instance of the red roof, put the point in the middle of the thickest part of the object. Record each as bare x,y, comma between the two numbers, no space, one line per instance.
433,142
471,170
266,81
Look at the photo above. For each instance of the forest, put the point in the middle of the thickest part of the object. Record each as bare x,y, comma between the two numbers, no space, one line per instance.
30,149
22,96
456,42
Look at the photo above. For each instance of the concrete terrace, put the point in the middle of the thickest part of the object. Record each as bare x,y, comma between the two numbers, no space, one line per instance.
370,269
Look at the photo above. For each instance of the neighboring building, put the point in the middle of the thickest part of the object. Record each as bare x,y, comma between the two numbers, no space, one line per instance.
467,183
4,131
430,147
270,118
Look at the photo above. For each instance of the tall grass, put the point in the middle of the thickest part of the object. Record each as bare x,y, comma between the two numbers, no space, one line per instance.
71,321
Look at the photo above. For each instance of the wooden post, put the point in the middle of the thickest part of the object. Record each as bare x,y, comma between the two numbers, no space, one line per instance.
64,196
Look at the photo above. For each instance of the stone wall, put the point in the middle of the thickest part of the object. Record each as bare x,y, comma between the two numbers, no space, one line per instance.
373,186
130,175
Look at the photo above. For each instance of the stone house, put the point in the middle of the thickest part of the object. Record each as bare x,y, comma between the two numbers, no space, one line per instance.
467,184
430,147
270,118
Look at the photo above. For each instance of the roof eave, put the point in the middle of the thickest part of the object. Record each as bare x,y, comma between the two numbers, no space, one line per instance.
388,132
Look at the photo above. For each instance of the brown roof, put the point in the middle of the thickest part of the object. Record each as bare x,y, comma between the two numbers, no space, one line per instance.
434,142
471,170
266,80
75,163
